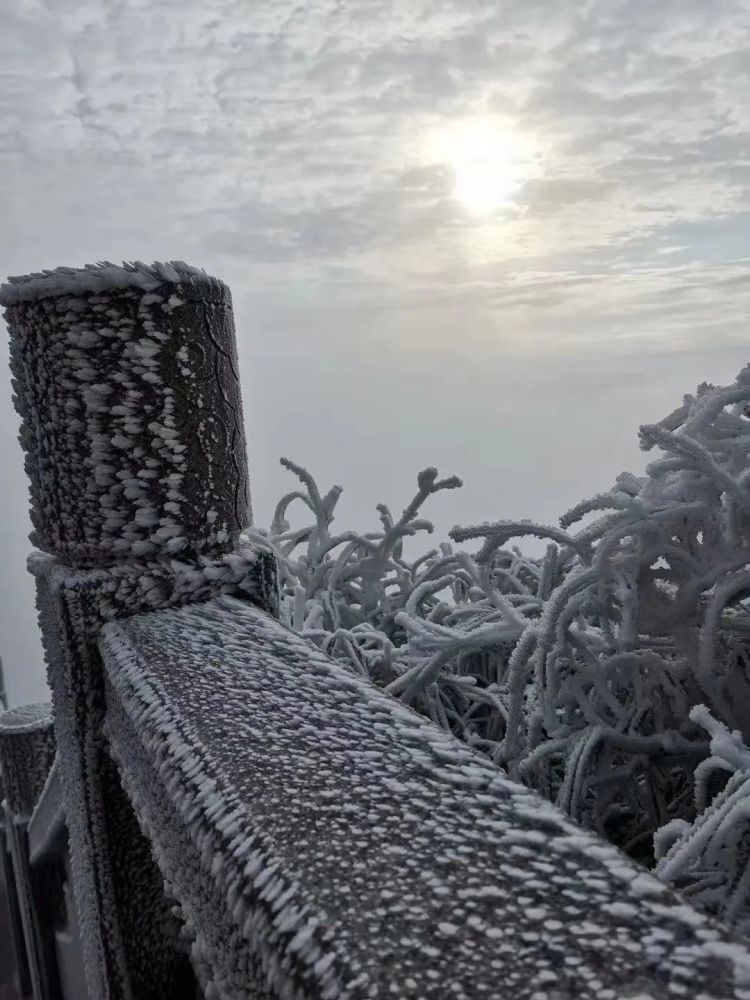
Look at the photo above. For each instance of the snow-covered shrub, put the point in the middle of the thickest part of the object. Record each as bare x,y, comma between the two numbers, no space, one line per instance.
577,672
709,859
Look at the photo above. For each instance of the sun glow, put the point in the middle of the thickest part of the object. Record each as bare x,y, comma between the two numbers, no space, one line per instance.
489,160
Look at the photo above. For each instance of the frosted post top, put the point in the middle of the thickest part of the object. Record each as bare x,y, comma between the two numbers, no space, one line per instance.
127,382
101,277
26,718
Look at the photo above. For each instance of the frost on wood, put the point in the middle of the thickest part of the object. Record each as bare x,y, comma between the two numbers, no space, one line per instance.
577,671
323,841
127,383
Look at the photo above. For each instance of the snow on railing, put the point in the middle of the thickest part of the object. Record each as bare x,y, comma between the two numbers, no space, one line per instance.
245,816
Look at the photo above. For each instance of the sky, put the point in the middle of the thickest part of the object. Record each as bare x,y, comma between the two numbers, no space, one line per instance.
493,236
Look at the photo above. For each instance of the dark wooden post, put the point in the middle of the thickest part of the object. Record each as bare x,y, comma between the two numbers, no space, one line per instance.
127,384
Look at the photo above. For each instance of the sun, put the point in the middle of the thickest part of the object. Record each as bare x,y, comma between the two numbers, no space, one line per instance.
489,160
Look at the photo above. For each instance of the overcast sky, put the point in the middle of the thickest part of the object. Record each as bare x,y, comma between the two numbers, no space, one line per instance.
488,235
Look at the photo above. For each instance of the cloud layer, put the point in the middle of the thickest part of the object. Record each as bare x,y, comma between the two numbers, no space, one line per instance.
292,135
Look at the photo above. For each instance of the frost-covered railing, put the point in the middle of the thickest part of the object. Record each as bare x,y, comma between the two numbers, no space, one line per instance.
32,891
244,817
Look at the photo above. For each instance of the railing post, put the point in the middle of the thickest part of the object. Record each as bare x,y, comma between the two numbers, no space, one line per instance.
27,749
128,387
126,380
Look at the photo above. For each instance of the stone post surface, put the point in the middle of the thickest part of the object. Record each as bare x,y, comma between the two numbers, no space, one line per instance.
126,380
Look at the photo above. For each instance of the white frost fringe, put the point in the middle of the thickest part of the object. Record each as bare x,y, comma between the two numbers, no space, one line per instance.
94,278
